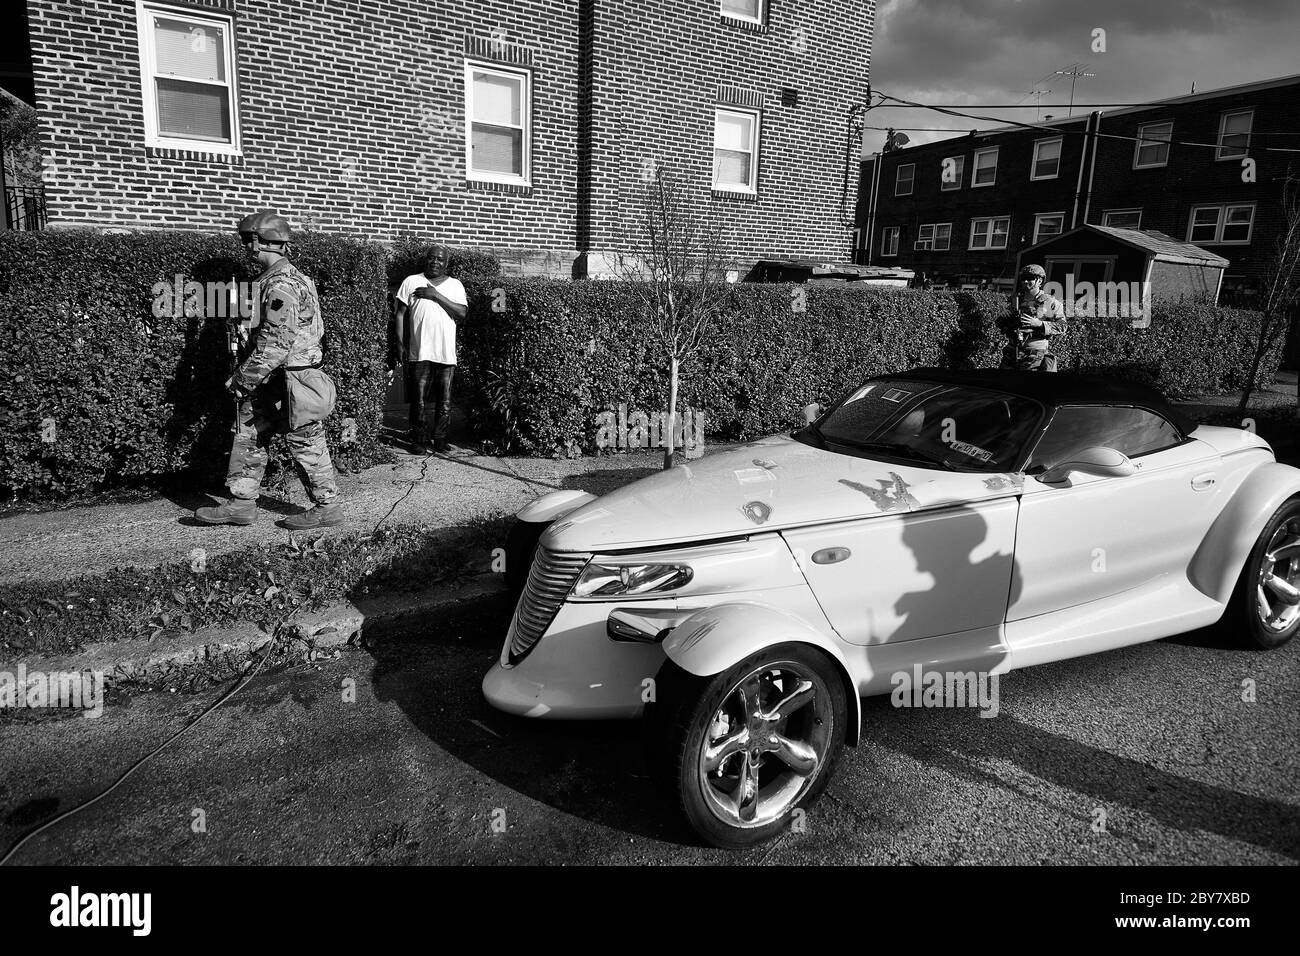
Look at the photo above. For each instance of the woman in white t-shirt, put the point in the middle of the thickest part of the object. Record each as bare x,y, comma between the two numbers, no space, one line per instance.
428,305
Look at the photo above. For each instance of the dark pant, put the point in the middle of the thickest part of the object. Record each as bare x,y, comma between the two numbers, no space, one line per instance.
429,387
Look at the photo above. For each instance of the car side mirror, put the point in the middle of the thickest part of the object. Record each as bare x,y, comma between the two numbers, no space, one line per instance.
811,412
1097,460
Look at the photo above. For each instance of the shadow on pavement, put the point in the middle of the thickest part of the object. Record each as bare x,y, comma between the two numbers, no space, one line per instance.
597,771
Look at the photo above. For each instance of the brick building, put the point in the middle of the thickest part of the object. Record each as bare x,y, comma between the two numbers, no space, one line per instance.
1009,188
526,127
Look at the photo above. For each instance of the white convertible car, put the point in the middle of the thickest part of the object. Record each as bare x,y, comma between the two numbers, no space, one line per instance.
964,523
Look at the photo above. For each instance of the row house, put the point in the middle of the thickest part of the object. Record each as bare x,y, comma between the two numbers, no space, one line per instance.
1208,169
529,127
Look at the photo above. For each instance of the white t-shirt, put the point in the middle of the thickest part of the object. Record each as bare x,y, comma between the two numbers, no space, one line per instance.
433,331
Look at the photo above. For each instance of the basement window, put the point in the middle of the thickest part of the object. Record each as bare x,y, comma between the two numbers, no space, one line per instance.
187,73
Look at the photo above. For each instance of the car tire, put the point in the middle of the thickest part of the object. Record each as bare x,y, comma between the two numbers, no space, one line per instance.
693,715
521,546
1255,603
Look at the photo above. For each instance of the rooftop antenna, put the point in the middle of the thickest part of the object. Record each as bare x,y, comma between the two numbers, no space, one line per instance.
1074,71
1038,93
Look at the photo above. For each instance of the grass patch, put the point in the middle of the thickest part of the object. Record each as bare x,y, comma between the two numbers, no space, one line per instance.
258,585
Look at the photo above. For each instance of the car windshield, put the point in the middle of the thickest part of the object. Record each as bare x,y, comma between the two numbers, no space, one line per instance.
934,424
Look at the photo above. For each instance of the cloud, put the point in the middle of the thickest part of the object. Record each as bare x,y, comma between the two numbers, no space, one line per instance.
995,51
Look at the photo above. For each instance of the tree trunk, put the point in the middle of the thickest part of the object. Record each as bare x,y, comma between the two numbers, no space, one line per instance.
1261,347
669,448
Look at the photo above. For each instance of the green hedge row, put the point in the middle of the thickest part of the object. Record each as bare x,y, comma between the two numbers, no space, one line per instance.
541,359
97,390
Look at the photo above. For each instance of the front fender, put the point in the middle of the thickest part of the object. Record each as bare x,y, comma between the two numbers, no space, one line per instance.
554,505
1218,561
715,638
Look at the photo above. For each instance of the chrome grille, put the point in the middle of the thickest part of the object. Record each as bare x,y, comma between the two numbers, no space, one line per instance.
549,580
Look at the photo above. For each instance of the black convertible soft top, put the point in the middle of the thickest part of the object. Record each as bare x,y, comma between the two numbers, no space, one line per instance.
1057,388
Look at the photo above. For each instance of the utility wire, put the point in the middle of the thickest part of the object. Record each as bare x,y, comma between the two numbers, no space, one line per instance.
1058,129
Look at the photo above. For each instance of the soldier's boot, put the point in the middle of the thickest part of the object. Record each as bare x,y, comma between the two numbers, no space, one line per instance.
234,511
321,516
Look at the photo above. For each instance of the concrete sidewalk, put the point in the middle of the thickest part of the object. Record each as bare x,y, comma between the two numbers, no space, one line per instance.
441,491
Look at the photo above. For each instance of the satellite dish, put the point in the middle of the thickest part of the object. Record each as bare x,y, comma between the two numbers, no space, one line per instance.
901,139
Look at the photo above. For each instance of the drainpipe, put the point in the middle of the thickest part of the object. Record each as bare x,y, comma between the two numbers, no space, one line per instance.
871,204
1092,165
1083,159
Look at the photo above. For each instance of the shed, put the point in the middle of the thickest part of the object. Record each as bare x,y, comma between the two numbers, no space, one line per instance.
1094,255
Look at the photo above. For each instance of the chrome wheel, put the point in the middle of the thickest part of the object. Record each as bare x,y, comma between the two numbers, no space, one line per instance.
1277,591
766,744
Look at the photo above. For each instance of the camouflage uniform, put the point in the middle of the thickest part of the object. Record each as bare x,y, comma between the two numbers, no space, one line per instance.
286,340
1028,349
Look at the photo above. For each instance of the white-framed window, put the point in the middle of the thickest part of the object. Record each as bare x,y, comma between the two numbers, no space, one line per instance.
1234,134
935,236
735,150
990,233
1048,224
1122,218
889,240
751,11
904,177
986,167
187,75
1152,146
1047,159
1221,225
498,123
952,172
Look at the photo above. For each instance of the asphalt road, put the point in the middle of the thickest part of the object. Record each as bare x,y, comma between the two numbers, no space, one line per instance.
420,770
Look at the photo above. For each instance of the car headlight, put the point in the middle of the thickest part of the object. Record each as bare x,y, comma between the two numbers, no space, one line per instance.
620,580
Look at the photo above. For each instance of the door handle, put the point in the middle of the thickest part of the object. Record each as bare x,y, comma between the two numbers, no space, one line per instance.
1203,482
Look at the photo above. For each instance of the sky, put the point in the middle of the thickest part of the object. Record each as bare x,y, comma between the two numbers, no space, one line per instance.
969,52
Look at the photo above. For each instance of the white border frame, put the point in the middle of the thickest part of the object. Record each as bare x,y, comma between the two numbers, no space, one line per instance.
1040,215
1141,141
512,72
756,144
911,183
144,11
1060,158
1221,224
975,167
1111,212
1223,121
970,242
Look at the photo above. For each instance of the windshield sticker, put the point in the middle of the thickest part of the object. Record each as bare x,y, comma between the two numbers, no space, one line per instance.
972,451
863,392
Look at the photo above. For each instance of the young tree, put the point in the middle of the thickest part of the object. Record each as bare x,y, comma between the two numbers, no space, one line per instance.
1281,291
676,265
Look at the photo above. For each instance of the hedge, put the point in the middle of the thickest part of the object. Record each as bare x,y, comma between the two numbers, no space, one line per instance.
134,397
535,375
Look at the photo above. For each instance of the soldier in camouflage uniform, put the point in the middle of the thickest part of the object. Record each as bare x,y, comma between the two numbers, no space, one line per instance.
1035,318
280,388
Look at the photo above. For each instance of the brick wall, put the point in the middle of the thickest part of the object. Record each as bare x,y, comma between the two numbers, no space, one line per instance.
351,117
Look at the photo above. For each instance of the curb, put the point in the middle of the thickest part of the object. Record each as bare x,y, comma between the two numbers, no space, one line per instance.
320,634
